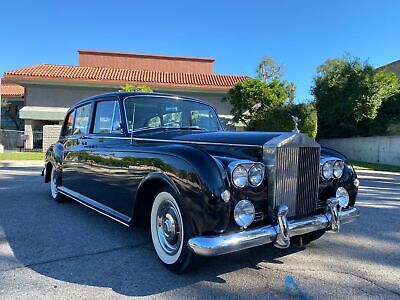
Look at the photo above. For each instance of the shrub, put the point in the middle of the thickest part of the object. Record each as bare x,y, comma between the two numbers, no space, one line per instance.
279,119
348,96
135,88
387,122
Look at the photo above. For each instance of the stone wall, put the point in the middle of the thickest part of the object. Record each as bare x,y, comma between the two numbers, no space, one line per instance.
51,133
374,149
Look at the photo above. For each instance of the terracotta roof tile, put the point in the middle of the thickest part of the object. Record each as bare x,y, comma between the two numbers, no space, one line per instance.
9,89
81,73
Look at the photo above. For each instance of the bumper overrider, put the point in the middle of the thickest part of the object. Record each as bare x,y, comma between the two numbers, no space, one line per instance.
278,234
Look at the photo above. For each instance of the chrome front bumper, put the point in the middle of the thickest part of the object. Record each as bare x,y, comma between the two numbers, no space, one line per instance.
231,242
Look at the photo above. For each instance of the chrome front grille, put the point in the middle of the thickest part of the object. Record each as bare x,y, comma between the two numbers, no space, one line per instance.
297,179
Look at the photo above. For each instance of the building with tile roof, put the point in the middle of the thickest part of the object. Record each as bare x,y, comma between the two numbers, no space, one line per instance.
12,100
48,90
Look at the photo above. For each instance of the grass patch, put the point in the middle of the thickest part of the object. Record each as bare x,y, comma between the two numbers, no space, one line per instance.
361,165
21,156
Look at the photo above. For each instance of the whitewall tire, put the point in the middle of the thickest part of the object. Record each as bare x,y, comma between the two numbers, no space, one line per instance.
170,232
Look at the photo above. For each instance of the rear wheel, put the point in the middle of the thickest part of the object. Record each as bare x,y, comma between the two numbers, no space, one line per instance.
54,184
170,232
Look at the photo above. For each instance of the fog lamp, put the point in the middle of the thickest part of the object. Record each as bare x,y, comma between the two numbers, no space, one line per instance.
244,213
343,196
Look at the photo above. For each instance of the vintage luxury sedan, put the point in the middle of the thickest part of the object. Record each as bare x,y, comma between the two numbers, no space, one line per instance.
165,161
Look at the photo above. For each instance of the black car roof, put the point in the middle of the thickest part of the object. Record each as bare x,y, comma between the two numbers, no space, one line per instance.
123,95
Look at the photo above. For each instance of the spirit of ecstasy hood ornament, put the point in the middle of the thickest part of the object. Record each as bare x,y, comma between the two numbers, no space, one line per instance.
296,121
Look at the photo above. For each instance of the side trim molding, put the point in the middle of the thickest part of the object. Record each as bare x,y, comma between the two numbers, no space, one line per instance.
96,206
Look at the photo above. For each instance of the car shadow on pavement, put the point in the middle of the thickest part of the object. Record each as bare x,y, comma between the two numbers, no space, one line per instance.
71,243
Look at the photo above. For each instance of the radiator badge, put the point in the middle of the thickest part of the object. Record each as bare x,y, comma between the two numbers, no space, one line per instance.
296,121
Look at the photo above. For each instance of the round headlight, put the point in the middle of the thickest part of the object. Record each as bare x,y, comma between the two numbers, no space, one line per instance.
343,196
256,174
338,168
327,170
239,176
244,213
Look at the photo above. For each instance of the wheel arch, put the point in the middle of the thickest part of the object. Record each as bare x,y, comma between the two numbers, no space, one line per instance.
145,195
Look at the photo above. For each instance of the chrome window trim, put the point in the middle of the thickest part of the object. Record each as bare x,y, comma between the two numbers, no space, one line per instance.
169,97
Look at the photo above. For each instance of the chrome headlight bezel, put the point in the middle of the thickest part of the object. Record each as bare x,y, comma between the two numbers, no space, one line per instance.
258,175
240,169
338,169
327,170
239,176
332,168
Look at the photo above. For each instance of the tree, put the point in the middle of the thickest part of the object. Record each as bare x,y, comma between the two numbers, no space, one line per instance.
348,95
136,88
252,97
268,70
279,119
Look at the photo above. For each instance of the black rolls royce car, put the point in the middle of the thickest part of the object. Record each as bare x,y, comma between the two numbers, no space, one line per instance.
166,162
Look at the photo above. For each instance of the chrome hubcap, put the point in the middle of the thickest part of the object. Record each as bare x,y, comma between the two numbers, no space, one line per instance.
168,227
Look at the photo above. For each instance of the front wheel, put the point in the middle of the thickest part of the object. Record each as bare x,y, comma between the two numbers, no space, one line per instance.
170,232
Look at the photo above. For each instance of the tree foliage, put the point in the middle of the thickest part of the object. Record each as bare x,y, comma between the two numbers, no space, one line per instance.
348,95
136,88
251,98
387,122
279,119
268,70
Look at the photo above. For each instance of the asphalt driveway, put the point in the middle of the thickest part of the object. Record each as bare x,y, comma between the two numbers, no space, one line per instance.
51,250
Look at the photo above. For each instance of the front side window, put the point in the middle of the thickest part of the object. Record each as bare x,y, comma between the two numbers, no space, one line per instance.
82,117
154,112
107,117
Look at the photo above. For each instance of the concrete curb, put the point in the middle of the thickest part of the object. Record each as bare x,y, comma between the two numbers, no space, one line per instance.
360,171
21,163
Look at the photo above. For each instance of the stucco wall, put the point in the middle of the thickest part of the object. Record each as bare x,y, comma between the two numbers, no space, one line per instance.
58,96
377,149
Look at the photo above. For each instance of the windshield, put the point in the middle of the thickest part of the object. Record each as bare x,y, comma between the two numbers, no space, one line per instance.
147,112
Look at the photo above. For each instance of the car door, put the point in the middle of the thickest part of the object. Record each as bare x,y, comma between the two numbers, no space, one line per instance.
106,177
74,158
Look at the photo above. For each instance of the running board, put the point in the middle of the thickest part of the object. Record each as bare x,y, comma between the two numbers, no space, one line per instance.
96,206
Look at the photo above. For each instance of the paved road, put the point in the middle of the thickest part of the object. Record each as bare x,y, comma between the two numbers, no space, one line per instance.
50,250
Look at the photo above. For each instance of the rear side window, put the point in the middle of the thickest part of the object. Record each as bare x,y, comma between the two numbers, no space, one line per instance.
82,117
107,118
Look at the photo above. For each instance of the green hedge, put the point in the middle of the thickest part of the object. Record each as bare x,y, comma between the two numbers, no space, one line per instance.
387,122
279,119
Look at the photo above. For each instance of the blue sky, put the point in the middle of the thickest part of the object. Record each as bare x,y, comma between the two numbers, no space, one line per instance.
299,34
